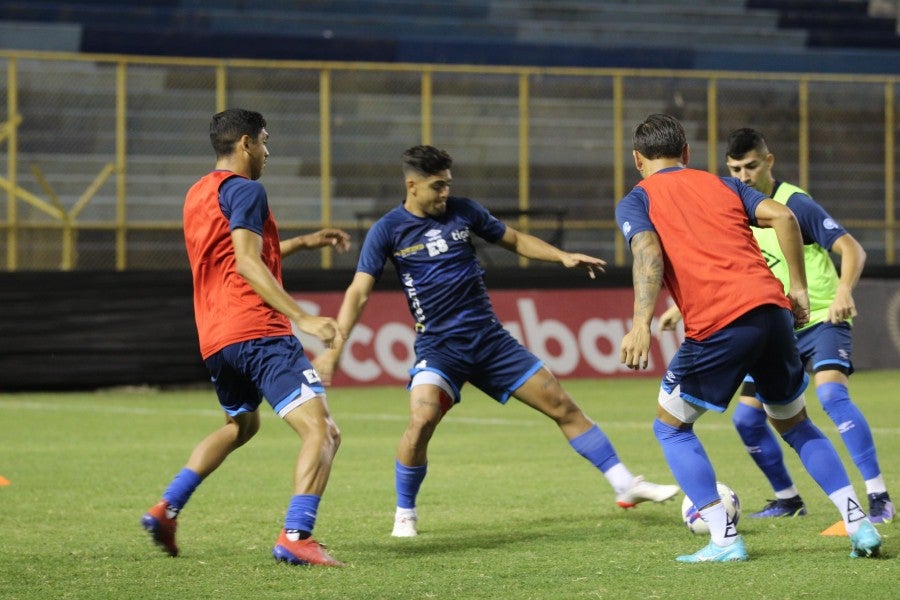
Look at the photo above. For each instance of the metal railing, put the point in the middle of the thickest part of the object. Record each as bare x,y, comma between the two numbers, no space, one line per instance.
100,148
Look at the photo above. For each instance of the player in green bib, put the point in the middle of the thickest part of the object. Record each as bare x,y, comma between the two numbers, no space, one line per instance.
825,343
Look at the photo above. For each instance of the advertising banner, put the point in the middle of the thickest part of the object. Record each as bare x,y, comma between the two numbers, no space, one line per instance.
576,332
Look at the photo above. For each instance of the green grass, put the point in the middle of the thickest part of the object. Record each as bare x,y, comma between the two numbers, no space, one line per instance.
508,509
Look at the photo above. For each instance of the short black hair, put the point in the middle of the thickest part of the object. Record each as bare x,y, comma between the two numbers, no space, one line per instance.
426,160
228,126
659,136
744,140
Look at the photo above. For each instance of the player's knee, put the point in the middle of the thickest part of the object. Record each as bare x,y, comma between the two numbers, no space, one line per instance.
832,395
747,418
245,427
422,424
561,408
334,435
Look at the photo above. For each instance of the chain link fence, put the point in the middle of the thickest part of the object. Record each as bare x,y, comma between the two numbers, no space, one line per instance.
100,150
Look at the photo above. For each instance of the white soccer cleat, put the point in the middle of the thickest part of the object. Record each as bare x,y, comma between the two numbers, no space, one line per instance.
405,523
642,491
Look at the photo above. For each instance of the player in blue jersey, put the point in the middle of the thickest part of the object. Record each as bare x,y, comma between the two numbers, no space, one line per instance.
459,337
825,343
690,230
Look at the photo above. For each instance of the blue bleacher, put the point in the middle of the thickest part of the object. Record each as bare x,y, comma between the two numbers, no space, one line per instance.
728,34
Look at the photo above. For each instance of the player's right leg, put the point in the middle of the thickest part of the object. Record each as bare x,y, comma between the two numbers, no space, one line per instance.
289,383
160,521
429,400
543,392
308,416
764,448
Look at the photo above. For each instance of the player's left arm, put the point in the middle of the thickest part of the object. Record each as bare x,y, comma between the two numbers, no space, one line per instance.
818,227
853,259
327,237
647,278
535,248
249,264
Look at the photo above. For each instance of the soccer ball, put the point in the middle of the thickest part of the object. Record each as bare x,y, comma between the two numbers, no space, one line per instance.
691,516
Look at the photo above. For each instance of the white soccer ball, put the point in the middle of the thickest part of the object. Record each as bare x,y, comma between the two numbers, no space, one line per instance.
691,516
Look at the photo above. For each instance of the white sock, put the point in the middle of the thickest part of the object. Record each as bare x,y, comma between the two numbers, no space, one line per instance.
875,485
851,510
619,477
722,532
787,493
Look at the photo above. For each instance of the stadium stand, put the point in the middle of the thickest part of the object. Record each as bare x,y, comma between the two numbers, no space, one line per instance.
675,34
622,33
835,23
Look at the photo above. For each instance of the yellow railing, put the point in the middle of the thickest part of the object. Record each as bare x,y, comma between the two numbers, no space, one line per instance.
500,117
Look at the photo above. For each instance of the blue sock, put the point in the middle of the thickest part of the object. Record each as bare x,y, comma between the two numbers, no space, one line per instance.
688,462
301,513
407,481
596,447
181,488
818,456
853,427
762,444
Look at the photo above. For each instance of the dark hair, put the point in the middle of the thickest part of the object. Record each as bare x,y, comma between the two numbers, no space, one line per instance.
659,136
228,126
744,140
426,160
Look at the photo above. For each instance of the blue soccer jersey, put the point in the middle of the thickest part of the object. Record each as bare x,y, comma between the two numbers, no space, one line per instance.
436,263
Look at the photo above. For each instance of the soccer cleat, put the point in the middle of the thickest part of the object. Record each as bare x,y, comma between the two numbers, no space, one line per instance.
405,521
782,507
161,527
641,491
302,552
881,509
736,552
866,542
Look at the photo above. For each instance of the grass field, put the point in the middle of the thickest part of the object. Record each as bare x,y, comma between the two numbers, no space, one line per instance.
508,509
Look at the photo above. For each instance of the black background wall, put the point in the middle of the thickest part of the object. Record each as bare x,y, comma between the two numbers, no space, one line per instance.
88,330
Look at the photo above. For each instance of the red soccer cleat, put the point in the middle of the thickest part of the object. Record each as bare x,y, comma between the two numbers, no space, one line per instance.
161,527
302,552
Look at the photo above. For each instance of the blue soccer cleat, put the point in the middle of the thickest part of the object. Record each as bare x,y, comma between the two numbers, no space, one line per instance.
866,542
881,509
712,552
782,507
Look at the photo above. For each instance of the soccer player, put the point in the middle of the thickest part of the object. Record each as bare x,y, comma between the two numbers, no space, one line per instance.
824,343
244,320
459,338
691,230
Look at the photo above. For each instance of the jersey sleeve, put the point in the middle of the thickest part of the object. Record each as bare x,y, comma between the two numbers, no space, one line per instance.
375,249
244,203
483,223
633,214
750,197
816,224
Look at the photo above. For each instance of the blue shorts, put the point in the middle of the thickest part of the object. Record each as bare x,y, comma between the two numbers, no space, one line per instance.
826,345
491,359
823,346
272,367
760,342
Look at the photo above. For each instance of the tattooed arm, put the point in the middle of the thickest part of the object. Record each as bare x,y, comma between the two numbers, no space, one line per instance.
647,276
